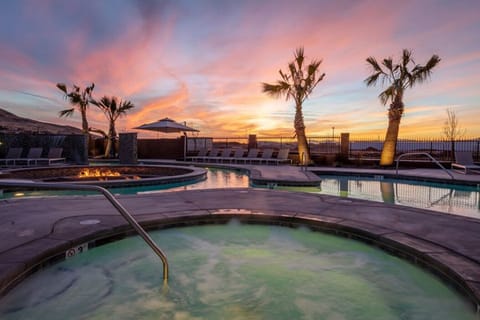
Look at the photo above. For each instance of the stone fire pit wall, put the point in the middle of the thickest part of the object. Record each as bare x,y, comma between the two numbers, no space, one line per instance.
44,173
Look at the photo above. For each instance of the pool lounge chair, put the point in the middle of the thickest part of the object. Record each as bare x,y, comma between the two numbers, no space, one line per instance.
12,156
282,157
224,155
54,156
464,163
251,156
202,154
267,154
34,154
212,156
237,156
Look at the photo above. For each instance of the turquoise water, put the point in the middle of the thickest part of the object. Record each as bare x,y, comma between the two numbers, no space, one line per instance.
235,271
454,199
216,178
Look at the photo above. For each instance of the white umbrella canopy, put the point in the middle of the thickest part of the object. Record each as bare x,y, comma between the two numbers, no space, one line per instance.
166,125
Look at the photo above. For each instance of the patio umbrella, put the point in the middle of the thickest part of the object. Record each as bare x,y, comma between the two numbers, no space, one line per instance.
168,125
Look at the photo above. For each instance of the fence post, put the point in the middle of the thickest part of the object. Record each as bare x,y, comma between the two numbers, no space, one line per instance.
345,144
478,149
127,152
252,141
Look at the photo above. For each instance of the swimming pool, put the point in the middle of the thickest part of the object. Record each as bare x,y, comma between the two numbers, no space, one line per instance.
215,179
236,271
448,198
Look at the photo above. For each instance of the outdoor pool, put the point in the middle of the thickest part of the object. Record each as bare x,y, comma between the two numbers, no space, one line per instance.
236,271
442,197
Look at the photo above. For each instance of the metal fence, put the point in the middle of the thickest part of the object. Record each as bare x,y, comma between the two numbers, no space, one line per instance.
440,149
328,145
364,148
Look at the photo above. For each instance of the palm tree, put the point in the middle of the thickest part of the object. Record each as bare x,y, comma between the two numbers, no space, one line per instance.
112,109
297,84
398,77
79,98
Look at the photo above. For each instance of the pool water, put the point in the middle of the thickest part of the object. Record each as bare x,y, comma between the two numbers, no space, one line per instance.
453,199
236,271
216,178
447,198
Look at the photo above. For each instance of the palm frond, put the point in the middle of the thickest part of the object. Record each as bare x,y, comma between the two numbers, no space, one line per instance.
299,57
293,71
387,94
284,76
372,80
66,112
281,88
422,73
388,63
406,57
62,87
313,67
374,64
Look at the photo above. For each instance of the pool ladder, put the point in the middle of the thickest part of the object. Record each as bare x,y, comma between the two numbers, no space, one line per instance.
110,197
423,154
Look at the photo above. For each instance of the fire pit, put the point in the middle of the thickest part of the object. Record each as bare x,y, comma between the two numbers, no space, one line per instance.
110,176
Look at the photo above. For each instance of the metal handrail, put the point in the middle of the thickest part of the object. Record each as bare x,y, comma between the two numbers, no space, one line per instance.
423,154
110,197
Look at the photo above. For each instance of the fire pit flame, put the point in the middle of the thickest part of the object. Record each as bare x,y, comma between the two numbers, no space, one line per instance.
88,173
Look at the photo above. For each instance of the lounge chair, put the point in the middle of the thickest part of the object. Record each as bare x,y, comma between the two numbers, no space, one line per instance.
464,163
237,155
12,156
224,155
267,155
54,156
34,154
202,153
212,155
282,157
251,156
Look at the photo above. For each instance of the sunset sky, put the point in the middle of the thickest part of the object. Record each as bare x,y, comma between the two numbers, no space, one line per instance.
203,61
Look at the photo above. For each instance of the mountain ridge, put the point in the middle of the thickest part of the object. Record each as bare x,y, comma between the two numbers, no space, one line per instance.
11,123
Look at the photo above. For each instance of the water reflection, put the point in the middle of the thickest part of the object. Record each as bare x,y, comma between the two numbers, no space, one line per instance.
461,200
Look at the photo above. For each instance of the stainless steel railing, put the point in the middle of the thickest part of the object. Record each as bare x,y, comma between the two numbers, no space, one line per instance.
423,154
110,197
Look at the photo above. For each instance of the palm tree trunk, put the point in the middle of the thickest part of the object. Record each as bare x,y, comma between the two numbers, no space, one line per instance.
303,150
395,113
110,149
85,128
390,144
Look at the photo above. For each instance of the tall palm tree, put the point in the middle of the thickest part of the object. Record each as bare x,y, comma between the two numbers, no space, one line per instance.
297,84
79,98
113,109
399,76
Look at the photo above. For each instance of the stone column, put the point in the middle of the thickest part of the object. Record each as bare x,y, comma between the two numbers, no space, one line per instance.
345,144
81,154
127,152
252,141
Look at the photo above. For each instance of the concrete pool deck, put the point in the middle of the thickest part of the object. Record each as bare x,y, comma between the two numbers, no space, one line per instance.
36,231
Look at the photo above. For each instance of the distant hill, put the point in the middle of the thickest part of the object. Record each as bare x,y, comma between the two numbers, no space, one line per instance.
10,123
